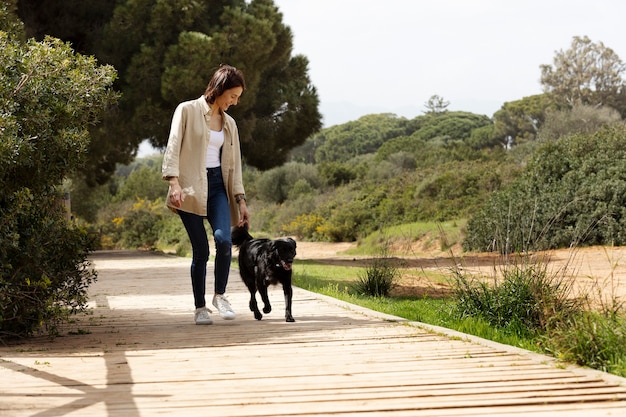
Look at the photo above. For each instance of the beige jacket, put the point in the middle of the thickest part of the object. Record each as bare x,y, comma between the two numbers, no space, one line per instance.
185,157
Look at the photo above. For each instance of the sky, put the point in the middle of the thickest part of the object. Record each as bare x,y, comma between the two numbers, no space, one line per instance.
391,56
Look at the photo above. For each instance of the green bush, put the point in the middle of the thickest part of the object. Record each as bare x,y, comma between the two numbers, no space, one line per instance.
378,279
287,181
143,224
527,298
337,173
305,226
379,276
50,96
44,271
573,192
145,182
591,339
172,235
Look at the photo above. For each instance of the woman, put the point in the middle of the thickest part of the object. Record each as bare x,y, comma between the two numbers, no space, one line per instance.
202,163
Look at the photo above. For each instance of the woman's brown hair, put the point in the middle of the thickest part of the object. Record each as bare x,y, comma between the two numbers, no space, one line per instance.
225,78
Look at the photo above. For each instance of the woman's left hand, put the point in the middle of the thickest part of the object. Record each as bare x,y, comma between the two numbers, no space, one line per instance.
244,216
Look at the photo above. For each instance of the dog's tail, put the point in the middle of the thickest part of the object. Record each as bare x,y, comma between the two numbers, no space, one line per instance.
239,235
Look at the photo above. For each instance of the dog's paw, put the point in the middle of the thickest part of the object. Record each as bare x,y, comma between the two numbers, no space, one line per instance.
289,319
267,309
258,315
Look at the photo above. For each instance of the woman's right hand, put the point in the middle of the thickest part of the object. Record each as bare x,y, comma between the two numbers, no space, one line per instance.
176,193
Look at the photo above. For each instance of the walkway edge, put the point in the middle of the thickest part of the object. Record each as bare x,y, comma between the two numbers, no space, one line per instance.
473,339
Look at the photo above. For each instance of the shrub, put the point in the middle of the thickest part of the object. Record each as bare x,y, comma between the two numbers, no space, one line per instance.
172,234
527,298
337,173
44,272
139,225
379,276
304,226
145,182
591,339
287,181
573,192
142,224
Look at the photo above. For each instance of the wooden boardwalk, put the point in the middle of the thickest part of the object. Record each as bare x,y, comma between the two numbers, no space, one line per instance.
139,354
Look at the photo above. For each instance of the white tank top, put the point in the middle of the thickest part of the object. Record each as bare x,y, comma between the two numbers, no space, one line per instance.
216,140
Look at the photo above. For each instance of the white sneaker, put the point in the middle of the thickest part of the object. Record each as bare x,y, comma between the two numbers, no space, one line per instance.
201,316
223,306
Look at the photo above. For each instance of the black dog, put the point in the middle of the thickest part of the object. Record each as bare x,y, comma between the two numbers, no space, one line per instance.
265,262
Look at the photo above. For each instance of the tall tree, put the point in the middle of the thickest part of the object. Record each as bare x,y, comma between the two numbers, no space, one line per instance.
519,121
436,104
166,50
587,73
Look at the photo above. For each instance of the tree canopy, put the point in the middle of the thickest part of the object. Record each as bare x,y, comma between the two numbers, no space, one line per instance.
519,121
433,137
165,52
342,142
587,73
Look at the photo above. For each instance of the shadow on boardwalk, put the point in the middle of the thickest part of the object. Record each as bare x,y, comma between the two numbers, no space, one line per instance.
138,353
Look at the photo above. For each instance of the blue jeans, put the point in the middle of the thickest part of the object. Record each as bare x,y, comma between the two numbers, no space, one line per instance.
218,214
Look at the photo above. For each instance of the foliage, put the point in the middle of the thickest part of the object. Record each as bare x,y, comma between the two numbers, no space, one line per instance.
165,51
304,226
401,239
572,193
9,21
448,181
592,339
344,201
337,173
526,298
441,137
142,224
287,182
350,180
454,190
143,182
436,104
87,201
581,119
50,96
341,143
587,73
518,122
379,277
44,271
450,127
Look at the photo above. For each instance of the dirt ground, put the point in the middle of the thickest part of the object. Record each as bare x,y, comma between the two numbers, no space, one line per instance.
599,272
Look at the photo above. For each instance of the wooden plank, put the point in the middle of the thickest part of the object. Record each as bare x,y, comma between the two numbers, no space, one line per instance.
139,354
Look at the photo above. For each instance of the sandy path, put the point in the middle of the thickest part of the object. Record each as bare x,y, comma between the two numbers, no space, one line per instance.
592,268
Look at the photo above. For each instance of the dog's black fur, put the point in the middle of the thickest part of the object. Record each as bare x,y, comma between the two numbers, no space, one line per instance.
265,262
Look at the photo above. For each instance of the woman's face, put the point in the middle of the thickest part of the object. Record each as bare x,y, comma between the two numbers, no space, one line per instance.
229,98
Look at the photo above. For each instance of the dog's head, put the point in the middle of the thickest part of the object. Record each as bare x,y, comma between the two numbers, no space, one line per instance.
284,252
